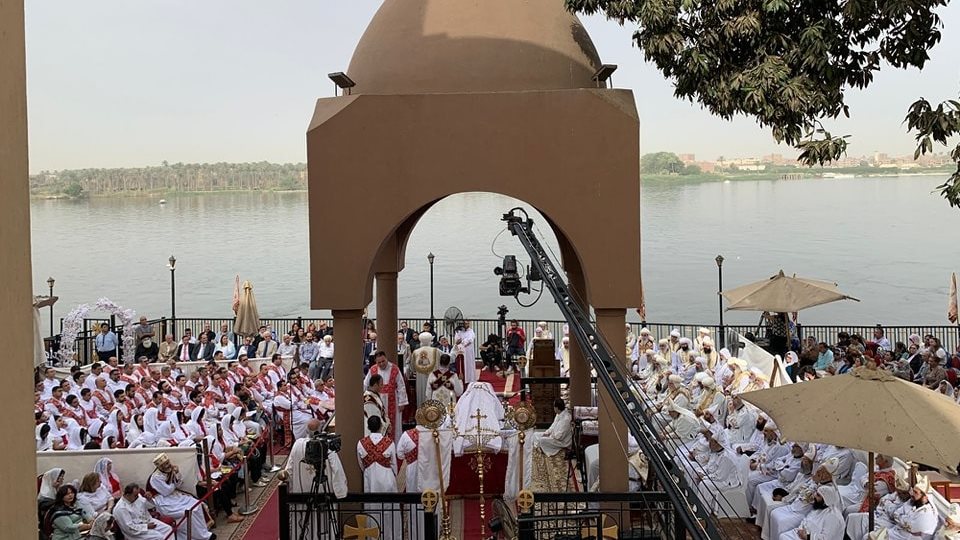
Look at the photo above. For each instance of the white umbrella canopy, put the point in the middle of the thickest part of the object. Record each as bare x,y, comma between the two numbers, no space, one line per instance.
248,319
783,294
870,410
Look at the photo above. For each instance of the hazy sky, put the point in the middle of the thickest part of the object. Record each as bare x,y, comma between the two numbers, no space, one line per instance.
119,83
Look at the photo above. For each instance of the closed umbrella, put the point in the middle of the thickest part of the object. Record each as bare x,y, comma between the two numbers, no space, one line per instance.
248,319
783,294
952,300
868,409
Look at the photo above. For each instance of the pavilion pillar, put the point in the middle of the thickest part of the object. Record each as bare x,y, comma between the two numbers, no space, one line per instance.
579,389
18,496
387,314
613,428
348,325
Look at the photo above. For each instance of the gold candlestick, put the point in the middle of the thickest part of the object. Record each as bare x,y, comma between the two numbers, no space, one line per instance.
431,415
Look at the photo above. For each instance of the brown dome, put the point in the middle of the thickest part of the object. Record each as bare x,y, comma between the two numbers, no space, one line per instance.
444,46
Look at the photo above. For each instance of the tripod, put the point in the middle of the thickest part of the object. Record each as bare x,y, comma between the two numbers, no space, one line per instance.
320,505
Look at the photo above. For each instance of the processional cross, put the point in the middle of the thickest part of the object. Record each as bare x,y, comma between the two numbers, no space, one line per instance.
480,462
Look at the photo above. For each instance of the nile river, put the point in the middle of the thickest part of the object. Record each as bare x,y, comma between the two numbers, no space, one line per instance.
892,242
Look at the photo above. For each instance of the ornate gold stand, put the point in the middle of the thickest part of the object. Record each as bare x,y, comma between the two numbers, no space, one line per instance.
431,416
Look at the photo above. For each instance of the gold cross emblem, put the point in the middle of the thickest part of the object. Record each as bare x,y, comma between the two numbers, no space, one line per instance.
609,530
356,527
525,500
429,500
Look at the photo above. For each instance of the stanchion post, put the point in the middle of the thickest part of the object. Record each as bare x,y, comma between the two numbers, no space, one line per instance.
272,434
206,464
188,521
246,510
284,512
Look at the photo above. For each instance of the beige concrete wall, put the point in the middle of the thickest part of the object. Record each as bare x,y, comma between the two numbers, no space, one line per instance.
18,496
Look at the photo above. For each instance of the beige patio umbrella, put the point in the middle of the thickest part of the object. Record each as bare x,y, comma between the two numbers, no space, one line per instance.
952,306
248,319
869,410
783,294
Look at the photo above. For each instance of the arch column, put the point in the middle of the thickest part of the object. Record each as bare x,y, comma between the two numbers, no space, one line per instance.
19,486
348,325
387,313
613,428
580,388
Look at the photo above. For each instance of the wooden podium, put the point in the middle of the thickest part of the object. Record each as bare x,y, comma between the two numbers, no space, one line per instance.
544,364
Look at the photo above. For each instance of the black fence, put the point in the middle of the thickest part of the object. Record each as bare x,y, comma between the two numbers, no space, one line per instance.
949,336
555,516
305,516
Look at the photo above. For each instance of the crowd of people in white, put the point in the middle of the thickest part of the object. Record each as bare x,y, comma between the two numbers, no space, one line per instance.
734,454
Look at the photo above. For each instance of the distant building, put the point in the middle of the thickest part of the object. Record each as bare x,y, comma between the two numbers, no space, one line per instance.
687,158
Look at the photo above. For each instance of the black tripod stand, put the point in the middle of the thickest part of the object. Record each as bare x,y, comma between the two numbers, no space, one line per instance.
320,505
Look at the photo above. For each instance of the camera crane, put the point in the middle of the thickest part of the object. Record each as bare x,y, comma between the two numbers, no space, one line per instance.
690,510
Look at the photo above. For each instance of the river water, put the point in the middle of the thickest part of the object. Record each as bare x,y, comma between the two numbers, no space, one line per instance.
891,242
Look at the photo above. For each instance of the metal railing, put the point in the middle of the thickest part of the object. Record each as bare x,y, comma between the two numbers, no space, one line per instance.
307,516
949,336
600,515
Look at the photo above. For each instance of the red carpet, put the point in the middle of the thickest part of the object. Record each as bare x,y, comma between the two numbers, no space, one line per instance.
500,384
470,509
266,524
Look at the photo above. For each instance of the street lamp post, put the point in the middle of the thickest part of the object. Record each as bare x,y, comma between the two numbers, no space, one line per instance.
722,338
50,282
173,294
430,259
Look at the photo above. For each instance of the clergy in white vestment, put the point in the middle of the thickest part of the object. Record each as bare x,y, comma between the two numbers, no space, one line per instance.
407,451
825,520
393,391
550,465
683,427
790,515
373,404
858,523
781,491
296,409
132,515
916,518
424,361
721,472
443,384
478,396
377,456
741,421
464,344
172,502
783,467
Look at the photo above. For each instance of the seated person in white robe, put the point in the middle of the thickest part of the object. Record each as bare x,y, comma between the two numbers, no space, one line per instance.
376,454
741,421
859,522
790,515
916,518
825,520
784,489
478,396
166,482
299,475
778,472
718,474
683,428
132,515
549,452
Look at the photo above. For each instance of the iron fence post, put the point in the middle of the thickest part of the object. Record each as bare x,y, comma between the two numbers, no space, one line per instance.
429,523
284,512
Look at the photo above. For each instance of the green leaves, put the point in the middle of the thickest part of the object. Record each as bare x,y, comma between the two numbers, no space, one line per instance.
938,124
787,63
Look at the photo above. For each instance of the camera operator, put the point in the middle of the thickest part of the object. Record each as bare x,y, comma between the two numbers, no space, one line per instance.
299,473
516,341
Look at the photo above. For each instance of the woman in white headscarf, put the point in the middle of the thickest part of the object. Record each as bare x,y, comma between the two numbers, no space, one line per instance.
151,421
196,426
49,484
76,435
946,389
44,442
108,479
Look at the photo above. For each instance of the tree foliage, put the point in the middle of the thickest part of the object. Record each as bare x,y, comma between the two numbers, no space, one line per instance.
661,163
785,63
937,125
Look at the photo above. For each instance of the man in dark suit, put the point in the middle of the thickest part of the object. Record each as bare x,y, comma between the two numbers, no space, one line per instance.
204,349
186,351
408,335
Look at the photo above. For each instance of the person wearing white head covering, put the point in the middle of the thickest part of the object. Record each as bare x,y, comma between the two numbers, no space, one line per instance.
721,472
631,342
109,480
702,334
764,459
101,528
49,484
951,524
916,518
824,522
790,516
766,502
741,421
76,436
683,426
43,437
783,470
710,398
674,340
